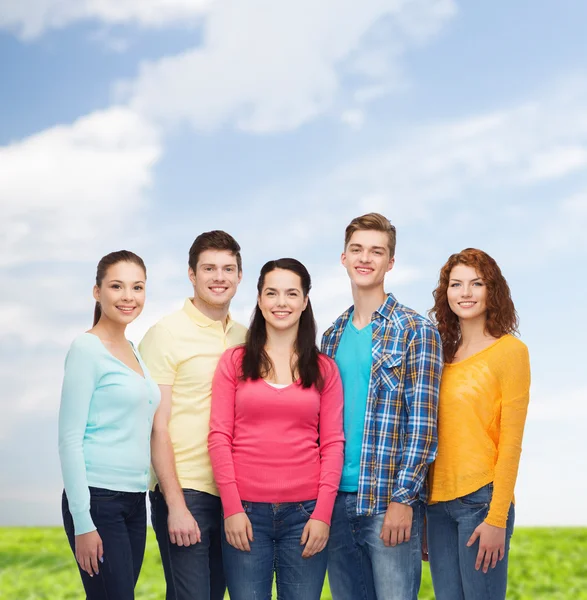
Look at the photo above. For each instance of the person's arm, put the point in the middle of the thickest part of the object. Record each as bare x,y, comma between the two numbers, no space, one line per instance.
317,530
422,385
183,528
156,350
515,390
79,382
514,379
237,526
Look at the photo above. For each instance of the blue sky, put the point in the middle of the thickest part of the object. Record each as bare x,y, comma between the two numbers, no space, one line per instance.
141,123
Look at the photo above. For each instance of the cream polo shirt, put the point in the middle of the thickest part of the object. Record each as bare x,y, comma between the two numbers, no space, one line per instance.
182,350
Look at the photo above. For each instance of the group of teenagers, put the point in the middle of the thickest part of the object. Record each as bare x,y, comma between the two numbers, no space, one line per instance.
397,442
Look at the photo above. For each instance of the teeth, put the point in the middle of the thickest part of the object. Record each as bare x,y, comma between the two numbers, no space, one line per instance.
467,304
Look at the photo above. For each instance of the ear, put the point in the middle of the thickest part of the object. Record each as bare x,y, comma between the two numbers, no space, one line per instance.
390,264
240,276
343,259
96,293
192,276
305,303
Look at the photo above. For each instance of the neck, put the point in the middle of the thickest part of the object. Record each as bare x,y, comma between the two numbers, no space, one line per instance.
110,330
473,330
366,302
216,313
281,341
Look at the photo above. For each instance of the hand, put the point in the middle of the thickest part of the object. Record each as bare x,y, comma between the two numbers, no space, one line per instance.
314,537
183,528
425,544
491,545
88,551
239,531
397,524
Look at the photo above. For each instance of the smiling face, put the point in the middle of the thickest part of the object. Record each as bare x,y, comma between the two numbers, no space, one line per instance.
122,293
367,258
282,300
216,278
467,293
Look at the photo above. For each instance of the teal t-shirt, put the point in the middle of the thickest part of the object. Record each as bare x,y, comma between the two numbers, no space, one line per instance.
353,359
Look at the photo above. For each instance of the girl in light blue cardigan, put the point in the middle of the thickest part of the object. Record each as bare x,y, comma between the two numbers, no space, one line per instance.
107,405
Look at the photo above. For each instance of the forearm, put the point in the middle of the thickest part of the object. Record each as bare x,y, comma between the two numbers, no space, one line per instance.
163,460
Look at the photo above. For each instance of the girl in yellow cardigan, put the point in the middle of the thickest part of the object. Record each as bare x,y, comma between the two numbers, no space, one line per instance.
482,410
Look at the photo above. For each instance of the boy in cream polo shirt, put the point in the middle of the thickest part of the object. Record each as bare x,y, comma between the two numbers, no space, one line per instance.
181,352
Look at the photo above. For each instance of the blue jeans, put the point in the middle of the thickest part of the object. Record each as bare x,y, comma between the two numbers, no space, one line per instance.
191,572
361,567
452,564
121,521
277,530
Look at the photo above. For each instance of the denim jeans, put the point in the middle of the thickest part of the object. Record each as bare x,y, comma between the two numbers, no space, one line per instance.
277,530
121,521
450,525
361,567
191,572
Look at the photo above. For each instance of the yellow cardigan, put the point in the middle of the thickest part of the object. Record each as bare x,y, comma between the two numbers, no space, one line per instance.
482,410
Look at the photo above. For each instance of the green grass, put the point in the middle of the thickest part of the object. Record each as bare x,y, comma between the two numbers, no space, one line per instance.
36,563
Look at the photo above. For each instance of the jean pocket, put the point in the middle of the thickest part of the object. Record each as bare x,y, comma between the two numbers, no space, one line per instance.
104,495
479,498
307,507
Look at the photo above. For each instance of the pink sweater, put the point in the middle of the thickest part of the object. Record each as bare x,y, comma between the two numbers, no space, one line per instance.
275,444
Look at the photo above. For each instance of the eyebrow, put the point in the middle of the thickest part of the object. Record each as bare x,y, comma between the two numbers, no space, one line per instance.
270,289
476,279
215,265
353,245
119,281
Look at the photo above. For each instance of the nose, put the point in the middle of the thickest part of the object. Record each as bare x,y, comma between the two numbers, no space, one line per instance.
365,256
219,274
281,300
466,290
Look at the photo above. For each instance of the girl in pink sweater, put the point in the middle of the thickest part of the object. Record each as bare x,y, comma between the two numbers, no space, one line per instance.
276,444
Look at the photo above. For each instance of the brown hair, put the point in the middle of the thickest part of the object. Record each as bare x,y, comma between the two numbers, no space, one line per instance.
108,261
214,240
501,313
374,222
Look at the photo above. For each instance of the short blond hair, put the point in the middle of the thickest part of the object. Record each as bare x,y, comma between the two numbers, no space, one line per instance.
374,222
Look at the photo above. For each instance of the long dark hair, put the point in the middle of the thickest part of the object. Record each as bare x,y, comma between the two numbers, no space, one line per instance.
108,261
256,363
501,317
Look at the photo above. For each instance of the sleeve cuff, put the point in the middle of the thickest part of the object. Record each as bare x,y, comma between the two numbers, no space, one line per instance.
231,500
324,507
82,523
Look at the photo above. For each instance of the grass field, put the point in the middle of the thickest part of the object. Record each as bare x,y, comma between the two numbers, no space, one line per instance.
36,563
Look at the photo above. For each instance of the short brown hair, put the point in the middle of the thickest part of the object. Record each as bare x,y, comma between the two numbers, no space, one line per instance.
374,222
214,240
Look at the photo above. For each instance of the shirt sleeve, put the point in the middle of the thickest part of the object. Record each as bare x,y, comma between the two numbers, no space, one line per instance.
221,433
156,351
514,378
79,382
331,441
422,386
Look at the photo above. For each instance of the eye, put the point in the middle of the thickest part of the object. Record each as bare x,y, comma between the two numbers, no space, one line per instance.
115,286
479,283
138,288
454,284
230,269
269,293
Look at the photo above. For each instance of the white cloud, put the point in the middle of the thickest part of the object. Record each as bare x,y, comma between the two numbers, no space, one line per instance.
67,190
271,66
354,118
30,18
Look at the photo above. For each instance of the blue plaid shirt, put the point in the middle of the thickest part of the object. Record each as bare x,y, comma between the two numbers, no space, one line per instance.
400,437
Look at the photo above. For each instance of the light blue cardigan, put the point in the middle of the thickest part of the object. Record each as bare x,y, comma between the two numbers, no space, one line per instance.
105,423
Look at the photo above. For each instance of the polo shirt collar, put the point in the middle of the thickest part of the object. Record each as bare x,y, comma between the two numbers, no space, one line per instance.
200,318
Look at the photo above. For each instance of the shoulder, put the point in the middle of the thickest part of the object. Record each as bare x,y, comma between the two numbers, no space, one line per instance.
85,344
340,323
327,366
233,356
406,318
512,348
238,330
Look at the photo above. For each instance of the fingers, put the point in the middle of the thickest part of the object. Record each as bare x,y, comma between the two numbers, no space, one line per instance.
473,538
94,563
487,561
394,535
305,534
480,557
314,545
250,532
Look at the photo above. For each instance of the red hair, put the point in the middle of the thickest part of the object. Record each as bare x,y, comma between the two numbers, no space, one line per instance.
501,313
